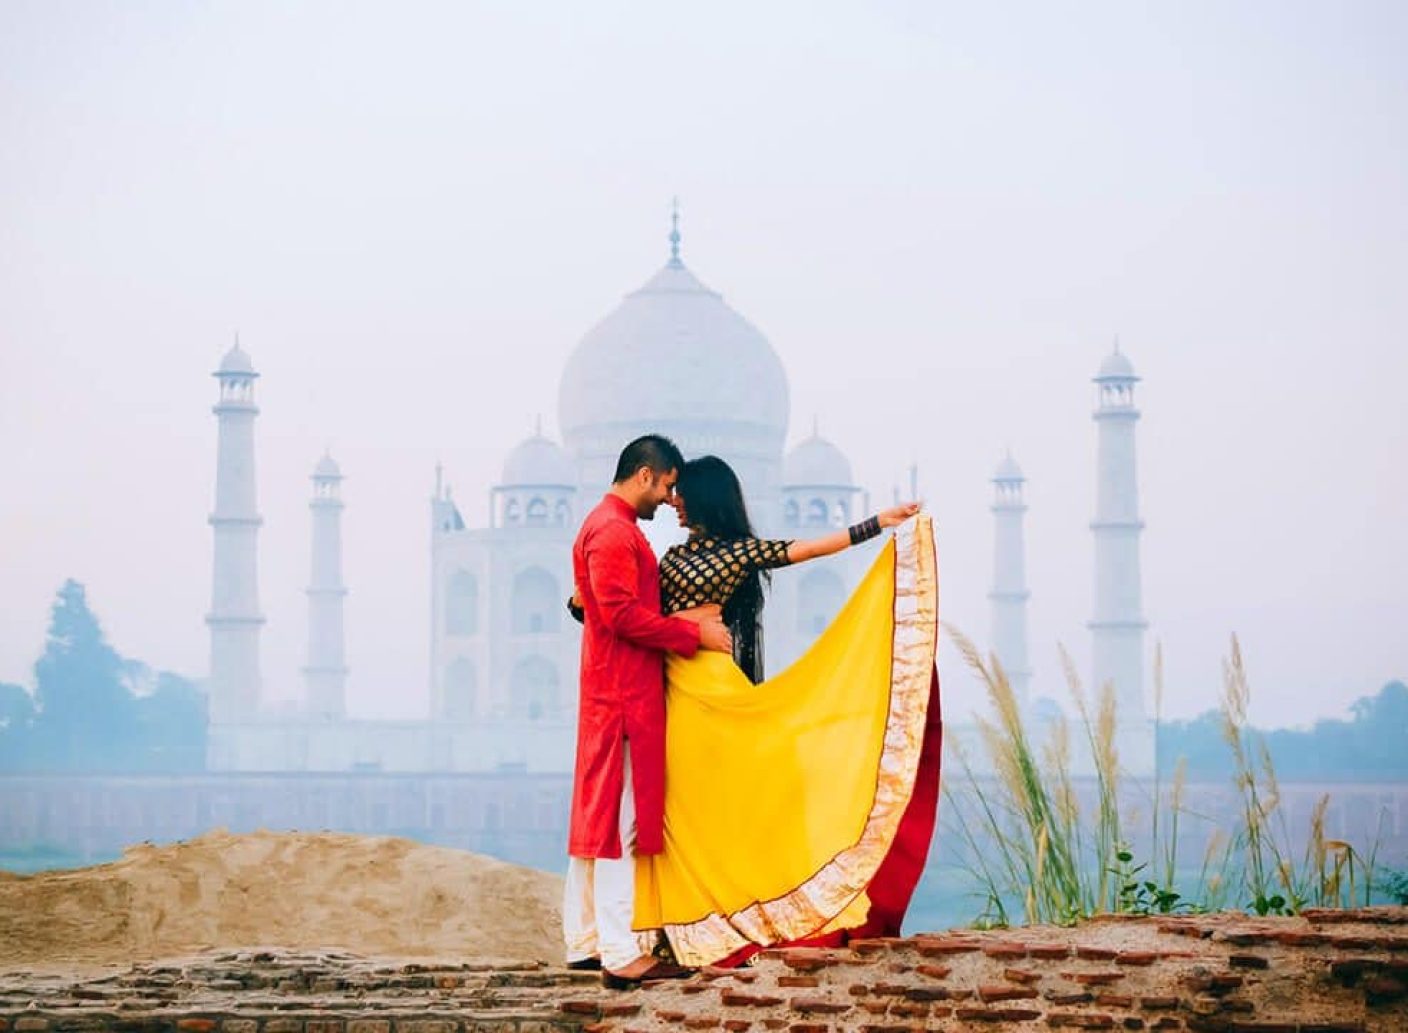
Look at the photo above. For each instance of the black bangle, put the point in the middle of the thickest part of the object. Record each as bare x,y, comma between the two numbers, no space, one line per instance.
865,530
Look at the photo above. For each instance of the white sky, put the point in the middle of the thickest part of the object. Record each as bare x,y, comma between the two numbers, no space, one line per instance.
940,214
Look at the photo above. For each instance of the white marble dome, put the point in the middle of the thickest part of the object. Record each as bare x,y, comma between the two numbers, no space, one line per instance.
672,353
1008,470
237,360
816,462
1116,367
538,461
327,467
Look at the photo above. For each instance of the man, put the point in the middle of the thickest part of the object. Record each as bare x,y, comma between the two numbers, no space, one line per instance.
618,793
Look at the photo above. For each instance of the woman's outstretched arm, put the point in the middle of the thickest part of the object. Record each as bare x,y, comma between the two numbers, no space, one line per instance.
811,548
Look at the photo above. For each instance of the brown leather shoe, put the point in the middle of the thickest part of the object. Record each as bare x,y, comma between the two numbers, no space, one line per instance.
654,974
585,965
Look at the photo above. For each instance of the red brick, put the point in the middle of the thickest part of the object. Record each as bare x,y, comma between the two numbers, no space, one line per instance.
1078,1020
1096,953
910,1009
809,1027
1006,950
1249,938
808,960
818,1006
1140,958
1247,961
932,947
1353,943
1017,1014
739,999
702,1022
195,1025
1265,1027
581,1008
1048,951
889,989
858,990
1067,999
1094,978
1296,938
934,971
694,988
886,1029
1158,1003
737,1025
774,1023
1132,1023
620,1009
977,1014
926,993
669,1015
878,944
1021,975
1114,1000
875,1007
1166,1022
798,981
1383,988
990,993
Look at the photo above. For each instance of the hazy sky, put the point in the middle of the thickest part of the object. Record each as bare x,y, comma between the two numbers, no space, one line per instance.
940,215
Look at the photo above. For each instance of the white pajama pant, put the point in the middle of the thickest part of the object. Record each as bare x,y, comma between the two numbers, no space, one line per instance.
599,897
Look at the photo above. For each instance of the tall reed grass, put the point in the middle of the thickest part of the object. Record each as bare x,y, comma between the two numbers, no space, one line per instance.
1042,855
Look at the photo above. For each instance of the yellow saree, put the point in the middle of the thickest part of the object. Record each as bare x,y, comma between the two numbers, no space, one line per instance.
783,799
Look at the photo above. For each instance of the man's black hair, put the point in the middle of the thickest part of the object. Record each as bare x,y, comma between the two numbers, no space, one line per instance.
653,450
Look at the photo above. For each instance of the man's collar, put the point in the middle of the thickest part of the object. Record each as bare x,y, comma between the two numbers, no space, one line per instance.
624,507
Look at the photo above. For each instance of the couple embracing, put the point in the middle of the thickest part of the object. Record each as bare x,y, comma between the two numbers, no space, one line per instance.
712,809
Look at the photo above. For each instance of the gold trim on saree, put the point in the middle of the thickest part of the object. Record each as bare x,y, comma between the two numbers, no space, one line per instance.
808,909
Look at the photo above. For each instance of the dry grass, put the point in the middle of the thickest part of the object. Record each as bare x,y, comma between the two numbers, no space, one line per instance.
1032,846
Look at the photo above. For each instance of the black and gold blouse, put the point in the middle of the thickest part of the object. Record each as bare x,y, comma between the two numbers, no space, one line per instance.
707,570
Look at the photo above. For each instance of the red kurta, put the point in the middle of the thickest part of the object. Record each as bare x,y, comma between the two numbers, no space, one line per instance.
622,696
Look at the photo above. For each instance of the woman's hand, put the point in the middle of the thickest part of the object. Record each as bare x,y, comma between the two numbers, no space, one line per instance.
701,614
898,515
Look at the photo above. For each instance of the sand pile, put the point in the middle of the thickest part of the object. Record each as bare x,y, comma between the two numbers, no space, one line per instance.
368,894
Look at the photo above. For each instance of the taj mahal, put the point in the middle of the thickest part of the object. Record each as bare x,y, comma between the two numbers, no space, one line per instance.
503,649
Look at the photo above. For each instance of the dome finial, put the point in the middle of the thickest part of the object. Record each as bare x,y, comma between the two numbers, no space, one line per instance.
816,426
1117,344
675,231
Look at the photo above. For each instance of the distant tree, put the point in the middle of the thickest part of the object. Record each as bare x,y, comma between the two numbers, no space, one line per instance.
87,716
1368,747
16,726
171,723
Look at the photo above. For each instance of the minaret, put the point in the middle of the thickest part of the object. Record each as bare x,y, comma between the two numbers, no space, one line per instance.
1118,625
234,617
326,673
1009,578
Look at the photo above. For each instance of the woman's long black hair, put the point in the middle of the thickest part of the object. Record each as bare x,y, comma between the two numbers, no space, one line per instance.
713,503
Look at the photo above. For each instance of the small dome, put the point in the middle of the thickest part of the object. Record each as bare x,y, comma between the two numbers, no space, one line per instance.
327,467
816,462
539,460
1116,367
1008,470
236,360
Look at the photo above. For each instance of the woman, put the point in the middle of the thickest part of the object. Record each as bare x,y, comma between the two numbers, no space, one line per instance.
799,809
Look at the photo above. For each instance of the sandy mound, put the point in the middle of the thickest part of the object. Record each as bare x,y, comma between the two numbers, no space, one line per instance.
368,894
